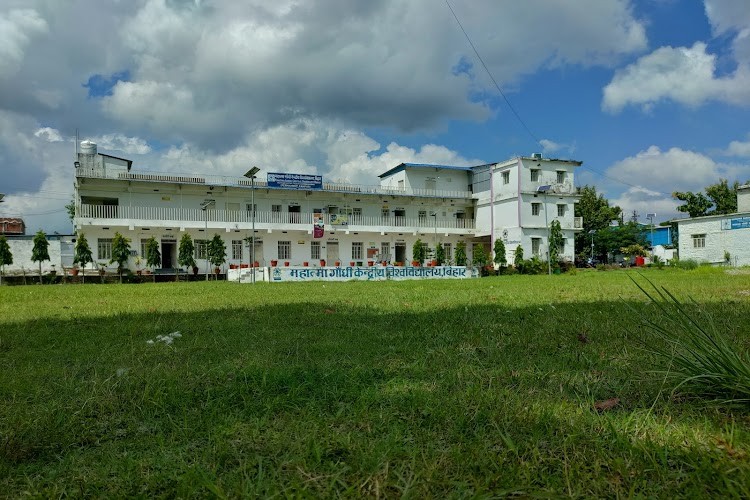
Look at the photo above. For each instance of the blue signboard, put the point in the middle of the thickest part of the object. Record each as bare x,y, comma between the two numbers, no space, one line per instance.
294,181
740,223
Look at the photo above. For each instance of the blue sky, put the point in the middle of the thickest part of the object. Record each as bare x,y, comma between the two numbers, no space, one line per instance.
652,95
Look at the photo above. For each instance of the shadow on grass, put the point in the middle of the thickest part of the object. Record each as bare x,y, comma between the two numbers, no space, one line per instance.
327,399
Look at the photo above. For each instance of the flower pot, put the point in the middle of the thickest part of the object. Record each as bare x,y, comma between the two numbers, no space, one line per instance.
351,264
256,264
322,263
74,271
195,270
286,263
370,263
305,264
338,263
138,272
385,262
217,270
415,263
274,263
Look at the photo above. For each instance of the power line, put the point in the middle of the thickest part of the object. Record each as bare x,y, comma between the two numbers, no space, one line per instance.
476,52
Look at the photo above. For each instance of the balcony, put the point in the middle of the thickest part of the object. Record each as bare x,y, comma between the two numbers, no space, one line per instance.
121,174
230,219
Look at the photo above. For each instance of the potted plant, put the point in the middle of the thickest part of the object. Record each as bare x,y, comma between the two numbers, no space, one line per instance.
418,252
286,263
338,263
274,262
102,268
305,264
186,252
138,265
83,255
322,263
153,256
74,270
217,253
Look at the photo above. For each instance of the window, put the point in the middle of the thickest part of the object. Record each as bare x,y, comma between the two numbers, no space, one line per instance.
357,214
400,185
385,250
560,176
200,249
384,213
561,210
699,240
536,245
506,177
285,250
251,208
448,252
535,174
276,208
104,248
422,216
536,208
143,248
237,249
357,248
315,250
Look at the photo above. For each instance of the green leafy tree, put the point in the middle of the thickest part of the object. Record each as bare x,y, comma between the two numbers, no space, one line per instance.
696,204
40,251
518,256
500,258
439,254
120,252
723,196
461,253
418,252
70,208
83,254
217,251
153,256
479,256
186,252
612,239
6,256
556,241
596,213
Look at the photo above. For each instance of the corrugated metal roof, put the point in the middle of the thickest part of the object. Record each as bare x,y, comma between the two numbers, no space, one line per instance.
404,166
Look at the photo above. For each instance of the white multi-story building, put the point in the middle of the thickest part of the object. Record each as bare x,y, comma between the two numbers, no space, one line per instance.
718,239
363,224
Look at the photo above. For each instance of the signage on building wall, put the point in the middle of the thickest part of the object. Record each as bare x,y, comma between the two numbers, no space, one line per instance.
282,274
339,220
739,223
318,223
294,181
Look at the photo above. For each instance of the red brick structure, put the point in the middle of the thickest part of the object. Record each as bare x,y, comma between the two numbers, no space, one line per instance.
12,226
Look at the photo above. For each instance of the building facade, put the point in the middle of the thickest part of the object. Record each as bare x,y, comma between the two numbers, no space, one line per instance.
361,224
718,239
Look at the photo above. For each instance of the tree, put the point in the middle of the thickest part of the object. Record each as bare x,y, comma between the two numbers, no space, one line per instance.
418,252
500,258
40,252
217,251
461,253
723,196
612,239
153,256
696,204
556,241
120,252
186,252
596,213
71,209
439,254
6,256
82,255
518,256
479,256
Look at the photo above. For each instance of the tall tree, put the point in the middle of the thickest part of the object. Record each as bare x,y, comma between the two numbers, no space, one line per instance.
217,251
479,256
153,256
83,254
596,213
500,258
186,252
723,196
40,252
439,254
418,252
461,253
696,204
556,241
6,256
120,252
612,239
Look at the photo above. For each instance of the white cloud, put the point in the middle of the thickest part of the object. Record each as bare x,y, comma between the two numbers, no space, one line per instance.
549,146
738,148
17,27
120,142
49,134
645,201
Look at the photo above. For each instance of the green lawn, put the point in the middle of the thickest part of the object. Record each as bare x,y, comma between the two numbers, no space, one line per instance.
425,389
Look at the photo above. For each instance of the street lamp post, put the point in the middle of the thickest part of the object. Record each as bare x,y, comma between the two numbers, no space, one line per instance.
543,190
2,195
204,207
250,174
651,218
434,216
592,233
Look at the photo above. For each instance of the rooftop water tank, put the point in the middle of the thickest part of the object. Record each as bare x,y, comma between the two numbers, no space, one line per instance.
88,148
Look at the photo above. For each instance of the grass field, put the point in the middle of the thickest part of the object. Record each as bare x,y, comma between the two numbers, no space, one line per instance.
421,389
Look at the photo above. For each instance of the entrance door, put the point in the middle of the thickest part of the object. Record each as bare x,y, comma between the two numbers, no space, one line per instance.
294,214
168,256
400,216
401,252
332,252
258,251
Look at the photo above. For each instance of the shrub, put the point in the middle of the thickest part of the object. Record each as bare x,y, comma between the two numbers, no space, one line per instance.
687,264
693,355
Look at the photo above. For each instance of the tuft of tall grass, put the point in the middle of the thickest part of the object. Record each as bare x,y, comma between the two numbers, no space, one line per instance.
698,358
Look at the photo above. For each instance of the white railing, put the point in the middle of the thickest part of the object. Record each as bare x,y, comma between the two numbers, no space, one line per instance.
119,173
158,214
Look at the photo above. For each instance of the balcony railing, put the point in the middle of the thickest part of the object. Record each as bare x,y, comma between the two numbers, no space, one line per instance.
159,214
118,173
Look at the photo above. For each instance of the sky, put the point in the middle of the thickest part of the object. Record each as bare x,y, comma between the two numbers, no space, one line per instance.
653,96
